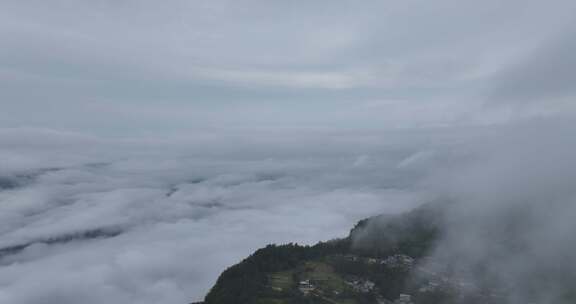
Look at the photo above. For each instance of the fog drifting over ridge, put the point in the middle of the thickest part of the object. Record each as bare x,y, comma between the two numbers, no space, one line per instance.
510,222
513,220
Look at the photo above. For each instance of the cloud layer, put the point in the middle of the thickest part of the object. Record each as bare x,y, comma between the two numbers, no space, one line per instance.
97,221
141,67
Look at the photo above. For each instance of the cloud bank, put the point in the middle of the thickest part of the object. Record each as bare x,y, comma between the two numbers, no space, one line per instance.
92,220
149,68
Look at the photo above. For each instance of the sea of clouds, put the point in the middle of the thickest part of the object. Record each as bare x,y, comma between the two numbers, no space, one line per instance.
98,220
94,220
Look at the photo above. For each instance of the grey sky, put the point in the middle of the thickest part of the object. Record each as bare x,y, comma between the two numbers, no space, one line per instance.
145,67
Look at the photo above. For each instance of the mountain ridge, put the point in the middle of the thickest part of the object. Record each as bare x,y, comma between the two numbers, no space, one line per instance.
342,270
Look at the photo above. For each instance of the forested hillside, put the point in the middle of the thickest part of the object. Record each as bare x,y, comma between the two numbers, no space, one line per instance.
376,263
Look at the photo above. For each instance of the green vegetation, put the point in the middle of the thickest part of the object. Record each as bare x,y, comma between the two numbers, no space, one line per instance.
381,261
282,280
344,271
323,276
271,301
248,280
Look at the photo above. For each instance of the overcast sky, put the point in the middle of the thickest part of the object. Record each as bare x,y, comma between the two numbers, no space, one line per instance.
179,129
172,67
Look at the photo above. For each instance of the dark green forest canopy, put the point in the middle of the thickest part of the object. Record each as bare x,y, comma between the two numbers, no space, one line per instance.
411,234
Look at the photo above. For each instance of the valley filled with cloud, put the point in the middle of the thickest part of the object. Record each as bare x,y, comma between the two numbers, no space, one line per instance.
139,222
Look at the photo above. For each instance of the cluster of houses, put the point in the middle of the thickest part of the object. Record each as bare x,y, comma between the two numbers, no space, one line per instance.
358,285
438,280
305,287
398,261
362,286
393,261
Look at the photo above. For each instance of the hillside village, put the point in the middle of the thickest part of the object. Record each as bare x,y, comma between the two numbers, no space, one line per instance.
319,281
377,270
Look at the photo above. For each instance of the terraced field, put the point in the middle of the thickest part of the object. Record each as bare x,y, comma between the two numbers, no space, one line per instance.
326,286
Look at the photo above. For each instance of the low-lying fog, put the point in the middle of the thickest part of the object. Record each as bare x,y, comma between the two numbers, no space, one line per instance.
93,221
